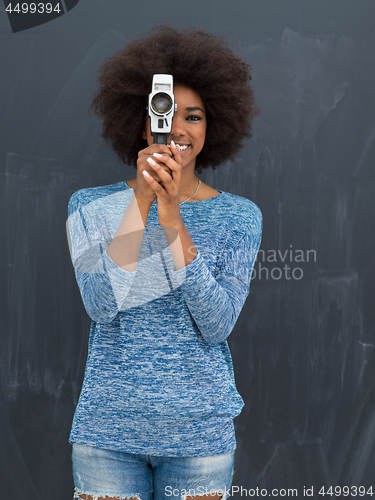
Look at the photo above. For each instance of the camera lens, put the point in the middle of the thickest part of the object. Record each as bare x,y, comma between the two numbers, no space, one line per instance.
161,102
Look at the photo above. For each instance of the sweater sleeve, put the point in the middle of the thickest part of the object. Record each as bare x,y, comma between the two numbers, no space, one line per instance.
215,302
103,285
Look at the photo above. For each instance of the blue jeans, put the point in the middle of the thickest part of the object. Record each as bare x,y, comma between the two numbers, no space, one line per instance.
100,472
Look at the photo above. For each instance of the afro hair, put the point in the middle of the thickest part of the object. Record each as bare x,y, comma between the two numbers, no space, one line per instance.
196,59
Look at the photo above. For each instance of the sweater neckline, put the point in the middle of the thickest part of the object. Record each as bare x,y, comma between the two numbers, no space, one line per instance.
182,203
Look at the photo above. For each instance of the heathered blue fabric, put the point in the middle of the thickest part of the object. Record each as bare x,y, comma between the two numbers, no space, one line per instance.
159,376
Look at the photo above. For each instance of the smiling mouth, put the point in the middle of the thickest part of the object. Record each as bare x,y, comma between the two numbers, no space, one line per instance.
180,148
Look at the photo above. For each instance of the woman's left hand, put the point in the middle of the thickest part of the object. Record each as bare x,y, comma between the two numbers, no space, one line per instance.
167,194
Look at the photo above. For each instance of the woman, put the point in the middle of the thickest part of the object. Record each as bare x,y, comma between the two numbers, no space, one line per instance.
164,282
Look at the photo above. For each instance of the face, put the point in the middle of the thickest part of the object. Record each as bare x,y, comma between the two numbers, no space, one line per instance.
188,125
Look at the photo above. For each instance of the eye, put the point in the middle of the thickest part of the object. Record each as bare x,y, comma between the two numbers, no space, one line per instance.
194,118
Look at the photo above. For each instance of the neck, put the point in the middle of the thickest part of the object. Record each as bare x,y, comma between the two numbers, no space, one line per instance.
188,188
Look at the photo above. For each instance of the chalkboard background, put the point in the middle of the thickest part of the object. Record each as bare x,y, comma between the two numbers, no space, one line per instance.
304,345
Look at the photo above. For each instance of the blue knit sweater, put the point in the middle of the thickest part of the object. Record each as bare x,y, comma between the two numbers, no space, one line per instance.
159,376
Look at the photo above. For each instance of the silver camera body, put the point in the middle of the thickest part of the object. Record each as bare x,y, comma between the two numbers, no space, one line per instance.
161,107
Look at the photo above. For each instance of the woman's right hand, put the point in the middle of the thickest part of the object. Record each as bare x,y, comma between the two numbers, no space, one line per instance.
142,189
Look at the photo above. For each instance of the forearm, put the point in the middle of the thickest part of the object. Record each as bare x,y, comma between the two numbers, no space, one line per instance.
125,246
215,298
213,302
180,245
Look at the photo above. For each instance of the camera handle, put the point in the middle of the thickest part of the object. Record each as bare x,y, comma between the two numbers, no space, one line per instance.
160,138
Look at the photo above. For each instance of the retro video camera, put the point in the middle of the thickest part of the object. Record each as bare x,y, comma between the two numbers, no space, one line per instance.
161,107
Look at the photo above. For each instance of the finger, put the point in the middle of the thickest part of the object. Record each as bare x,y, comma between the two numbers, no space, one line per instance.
175,163
176,153
168,182
159,169
155,148
169,162
151,181
154,172
144,165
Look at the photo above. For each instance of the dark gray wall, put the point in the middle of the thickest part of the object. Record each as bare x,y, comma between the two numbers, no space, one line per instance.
304,345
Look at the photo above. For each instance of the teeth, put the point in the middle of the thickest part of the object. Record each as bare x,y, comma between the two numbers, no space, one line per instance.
180,148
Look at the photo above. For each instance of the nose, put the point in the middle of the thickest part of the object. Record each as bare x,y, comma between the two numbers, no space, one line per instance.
178,128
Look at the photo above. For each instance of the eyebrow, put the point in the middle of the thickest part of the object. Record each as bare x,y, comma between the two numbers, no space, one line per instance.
194,108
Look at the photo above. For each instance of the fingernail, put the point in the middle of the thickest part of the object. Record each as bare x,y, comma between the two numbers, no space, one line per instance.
151,161
157,155
145,173
173,144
